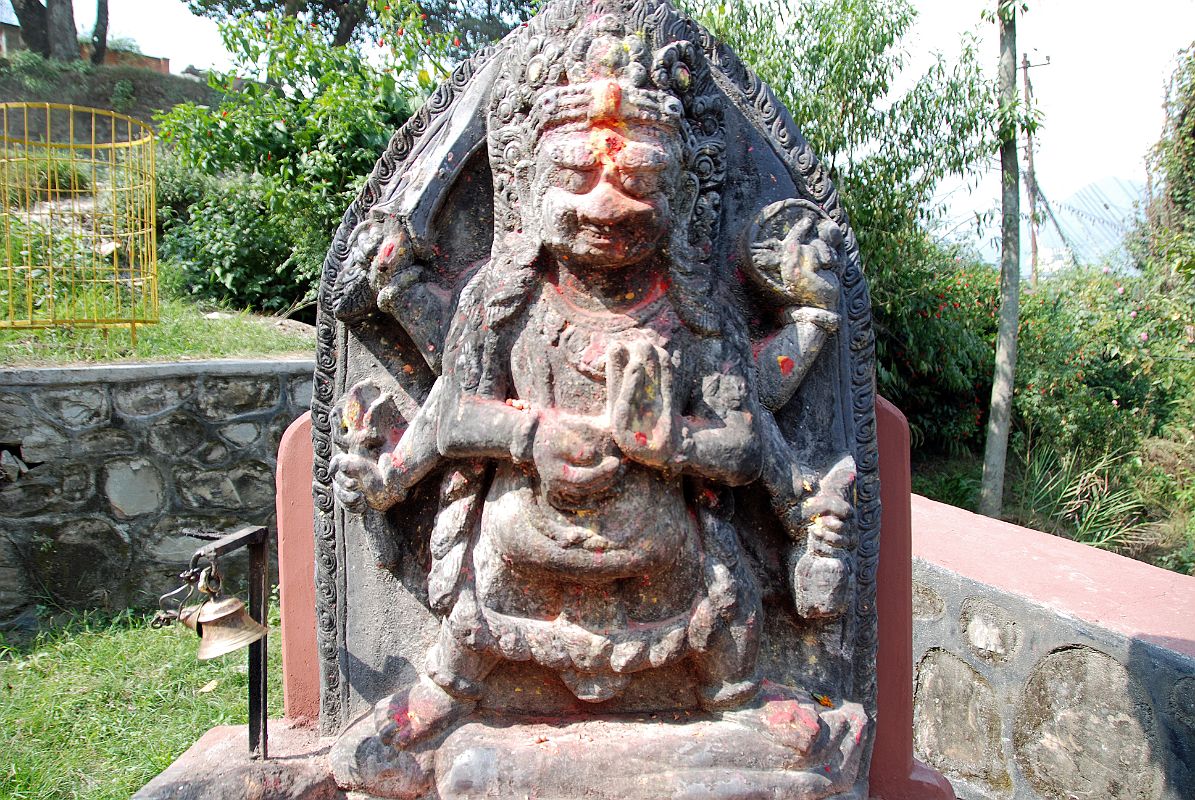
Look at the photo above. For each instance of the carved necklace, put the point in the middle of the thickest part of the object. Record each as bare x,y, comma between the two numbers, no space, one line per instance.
584,335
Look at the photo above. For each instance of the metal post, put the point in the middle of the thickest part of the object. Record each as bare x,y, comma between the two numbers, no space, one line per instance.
258,591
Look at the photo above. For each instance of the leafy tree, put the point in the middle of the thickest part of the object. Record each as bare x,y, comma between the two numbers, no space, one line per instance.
835,66
302,123
469,23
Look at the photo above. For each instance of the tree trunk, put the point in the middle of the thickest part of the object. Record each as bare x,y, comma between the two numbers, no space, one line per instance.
99,36
60,27
348,18
32,16
991,493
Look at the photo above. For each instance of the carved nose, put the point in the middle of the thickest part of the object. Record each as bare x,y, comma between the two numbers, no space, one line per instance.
606,204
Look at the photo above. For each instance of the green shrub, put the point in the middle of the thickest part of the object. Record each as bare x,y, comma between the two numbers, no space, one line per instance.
228,247
308,135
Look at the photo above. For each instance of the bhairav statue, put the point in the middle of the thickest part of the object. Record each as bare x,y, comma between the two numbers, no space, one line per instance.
597,508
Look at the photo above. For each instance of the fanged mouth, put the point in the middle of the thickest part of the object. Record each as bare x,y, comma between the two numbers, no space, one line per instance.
597,232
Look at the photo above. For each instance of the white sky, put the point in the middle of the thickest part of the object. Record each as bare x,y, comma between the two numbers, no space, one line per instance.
1101,95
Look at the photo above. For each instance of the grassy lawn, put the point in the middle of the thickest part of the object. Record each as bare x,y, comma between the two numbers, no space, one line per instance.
99,705
185,331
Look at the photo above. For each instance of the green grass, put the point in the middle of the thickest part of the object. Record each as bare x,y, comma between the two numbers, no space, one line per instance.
98,706
183,332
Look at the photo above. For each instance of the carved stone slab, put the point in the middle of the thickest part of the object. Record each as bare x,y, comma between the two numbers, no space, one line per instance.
595,462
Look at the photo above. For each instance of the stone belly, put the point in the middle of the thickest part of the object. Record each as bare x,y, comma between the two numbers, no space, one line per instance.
641,528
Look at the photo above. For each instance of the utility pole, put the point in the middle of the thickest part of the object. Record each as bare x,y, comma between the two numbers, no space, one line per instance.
1030,175
995,452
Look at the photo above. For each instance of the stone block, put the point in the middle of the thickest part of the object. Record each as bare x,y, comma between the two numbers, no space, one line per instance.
150,398
76,408
15,417
1084,728
300,393
241,434
990,631
81,562
956,724
183,437
44,442
105,442
134,487
226,397
248,486
48,489
927,603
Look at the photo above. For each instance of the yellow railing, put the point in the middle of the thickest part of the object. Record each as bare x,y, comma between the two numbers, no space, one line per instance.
79,237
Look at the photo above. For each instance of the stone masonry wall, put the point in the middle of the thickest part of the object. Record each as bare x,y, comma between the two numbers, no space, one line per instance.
104,470
1017,699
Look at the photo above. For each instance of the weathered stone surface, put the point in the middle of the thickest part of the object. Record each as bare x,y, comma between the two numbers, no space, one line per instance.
991,633
183,437
300,393
44,442
16,416
218,767
1182,701
927,603
81,562
105,442
133,487
48,488
241,434
76,408
227,397
956,724
242,486
1084,728
593,401
144,399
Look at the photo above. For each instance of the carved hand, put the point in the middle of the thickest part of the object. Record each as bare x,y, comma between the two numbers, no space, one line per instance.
807,264
575,458
639,382
366,424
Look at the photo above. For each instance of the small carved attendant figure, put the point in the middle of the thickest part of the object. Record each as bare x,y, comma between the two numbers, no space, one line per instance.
643,384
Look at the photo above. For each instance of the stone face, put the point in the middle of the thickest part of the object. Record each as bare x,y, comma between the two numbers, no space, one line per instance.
148,398
133,487
989,630
581,405
956,724
76,408
227,397
1085,729
48,488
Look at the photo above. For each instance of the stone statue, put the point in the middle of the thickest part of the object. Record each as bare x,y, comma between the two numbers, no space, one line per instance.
595,461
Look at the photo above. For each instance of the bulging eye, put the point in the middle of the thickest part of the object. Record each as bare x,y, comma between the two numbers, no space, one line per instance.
641,182
572,179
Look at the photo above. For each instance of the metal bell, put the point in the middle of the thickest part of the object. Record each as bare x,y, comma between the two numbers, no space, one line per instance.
223,625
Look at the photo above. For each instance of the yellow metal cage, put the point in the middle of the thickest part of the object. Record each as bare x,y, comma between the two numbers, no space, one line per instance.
79,234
